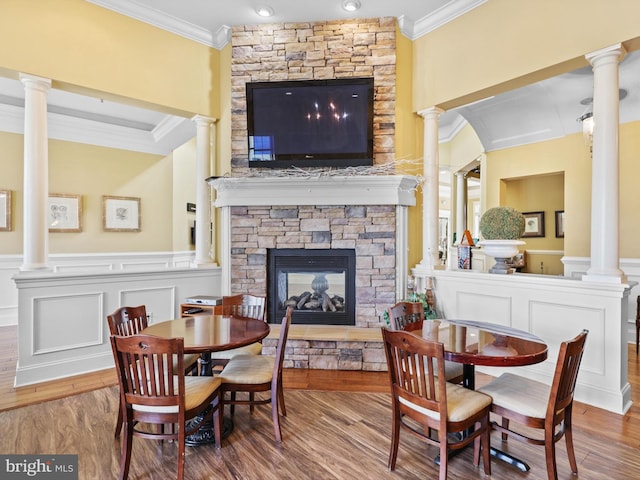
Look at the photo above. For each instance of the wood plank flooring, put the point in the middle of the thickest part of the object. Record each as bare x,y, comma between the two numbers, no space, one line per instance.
337,427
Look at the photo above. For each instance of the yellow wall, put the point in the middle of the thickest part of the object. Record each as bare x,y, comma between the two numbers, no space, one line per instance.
90,171
184,191
408,140
505,44
81,46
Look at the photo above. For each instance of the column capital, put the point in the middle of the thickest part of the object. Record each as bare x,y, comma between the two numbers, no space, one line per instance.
203,120
430,112
32,81
616,52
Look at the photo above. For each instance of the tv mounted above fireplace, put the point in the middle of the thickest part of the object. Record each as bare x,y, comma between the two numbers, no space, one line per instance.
310,123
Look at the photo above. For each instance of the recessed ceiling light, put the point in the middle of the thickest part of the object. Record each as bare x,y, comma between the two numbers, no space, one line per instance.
264,11
351,5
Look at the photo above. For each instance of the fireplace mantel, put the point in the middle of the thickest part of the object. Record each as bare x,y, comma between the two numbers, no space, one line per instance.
317,190
365,213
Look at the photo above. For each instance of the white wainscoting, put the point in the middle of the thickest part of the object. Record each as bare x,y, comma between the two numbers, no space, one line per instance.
82,263
555,309
62,329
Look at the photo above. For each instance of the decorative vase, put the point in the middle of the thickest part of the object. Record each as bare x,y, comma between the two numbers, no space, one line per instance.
501,251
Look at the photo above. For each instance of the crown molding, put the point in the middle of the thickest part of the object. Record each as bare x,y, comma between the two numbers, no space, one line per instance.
441,16
156,18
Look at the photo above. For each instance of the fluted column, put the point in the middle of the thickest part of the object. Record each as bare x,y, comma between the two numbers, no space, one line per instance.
430,190
204,222
605,187
36,173
461,205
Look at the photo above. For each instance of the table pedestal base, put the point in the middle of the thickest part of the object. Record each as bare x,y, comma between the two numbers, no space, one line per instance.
205,435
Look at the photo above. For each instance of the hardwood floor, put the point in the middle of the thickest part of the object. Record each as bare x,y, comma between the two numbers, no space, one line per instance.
337,427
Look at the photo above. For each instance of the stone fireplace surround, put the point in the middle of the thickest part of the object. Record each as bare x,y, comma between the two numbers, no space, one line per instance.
366,213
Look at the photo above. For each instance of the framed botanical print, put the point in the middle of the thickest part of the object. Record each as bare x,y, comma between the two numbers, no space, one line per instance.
5,210
64,213
120,214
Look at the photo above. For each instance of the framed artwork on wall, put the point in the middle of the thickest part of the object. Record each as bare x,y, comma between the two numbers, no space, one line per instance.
120,214
533,224
64,213
5,210
559,223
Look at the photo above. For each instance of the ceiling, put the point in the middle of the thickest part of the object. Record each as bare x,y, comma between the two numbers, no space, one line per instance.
540,111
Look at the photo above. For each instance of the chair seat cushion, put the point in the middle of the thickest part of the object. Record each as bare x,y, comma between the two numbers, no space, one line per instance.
519,394
197,390
462,403
248,369
253,349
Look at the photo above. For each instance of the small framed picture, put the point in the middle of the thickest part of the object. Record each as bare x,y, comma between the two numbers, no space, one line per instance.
64,213
533,224
120,214
559,223
5,210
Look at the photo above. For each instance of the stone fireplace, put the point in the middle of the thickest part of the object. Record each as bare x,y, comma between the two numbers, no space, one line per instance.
366,214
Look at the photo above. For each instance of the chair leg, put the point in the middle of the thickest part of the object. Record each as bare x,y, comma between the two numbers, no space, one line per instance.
276,417
252,407
444,456
218,414
568,436
181,439
550,454
125,459
395,438
119,422
637,334
486,446
505,425
232,407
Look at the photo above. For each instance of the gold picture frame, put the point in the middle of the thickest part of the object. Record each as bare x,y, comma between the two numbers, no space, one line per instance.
5,210
64,213
120,214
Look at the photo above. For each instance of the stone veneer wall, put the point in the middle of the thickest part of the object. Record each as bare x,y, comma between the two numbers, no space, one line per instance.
315,51
370,230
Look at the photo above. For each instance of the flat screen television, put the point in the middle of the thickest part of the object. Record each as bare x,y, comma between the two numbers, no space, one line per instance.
310,123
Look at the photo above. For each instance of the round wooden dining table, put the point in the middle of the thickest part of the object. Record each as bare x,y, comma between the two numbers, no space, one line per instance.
474,343
204,334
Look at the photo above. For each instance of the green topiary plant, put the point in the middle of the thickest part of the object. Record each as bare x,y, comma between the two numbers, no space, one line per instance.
502,223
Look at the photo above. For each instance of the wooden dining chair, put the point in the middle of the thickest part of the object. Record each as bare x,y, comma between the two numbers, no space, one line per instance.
540,406
423,401
259,373
154,391
242,305
409,316
127,321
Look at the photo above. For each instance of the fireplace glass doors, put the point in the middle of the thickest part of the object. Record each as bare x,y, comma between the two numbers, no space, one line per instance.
318,284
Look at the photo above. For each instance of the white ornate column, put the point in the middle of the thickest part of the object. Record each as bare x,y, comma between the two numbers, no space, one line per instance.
605,188
430,190
36,173
204,221
461,205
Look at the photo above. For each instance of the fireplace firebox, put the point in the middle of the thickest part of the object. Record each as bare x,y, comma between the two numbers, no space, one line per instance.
318,284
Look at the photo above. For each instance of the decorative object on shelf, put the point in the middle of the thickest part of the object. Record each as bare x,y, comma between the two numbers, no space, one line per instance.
501,227
120,214
64,213
464,251
5,210
533,224
429,312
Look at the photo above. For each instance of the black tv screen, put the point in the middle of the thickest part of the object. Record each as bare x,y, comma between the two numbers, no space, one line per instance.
310,123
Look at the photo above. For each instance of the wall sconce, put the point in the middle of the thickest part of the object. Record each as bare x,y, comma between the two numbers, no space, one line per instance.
264,11
587,122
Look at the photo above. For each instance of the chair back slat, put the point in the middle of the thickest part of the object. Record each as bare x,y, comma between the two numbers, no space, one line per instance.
416,369
566,373
127,321
146,369
408,316
244,305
